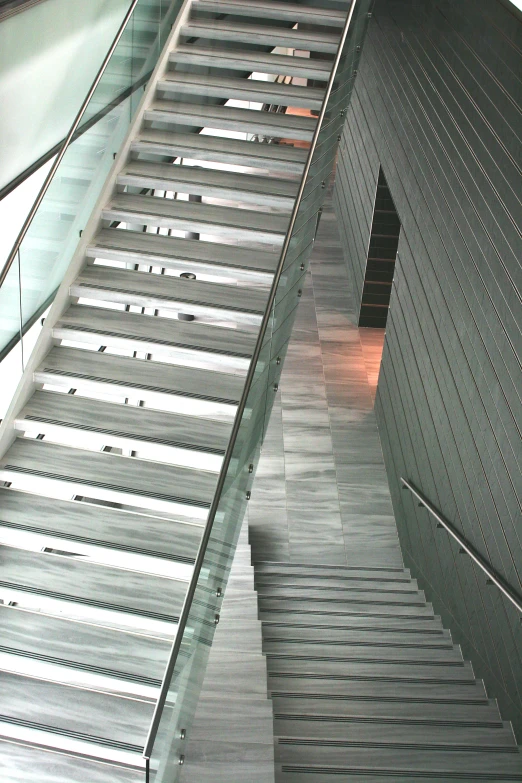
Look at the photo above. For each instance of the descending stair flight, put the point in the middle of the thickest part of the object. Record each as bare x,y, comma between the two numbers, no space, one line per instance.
119,429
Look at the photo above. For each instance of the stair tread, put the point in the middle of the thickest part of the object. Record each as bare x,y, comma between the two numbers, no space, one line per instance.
289,126
313,596
469,763
252,62
318,623
128,420
74,520
291,12
203,218
252,90
166,289
270,581
346,651
205,181
311,638
72,580
262,34
266,567
407,670
406,735
74,365
351,697
202,146
92,469
275,608
21,763
81,710
85,645
148,425
164,332
165,251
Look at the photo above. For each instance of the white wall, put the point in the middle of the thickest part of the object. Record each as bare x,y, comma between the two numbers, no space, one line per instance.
49,55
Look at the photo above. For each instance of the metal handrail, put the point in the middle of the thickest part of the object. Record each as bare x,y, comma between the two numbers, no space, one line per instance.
477,558
242,404
43,190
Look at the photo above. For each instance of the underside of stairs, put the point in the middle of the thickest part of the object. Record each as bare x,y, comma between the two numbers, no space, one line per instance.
367,685
111,451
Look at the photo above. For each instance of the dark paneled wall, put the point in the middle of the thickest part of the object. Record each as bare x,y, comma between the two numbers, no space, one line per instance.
437,104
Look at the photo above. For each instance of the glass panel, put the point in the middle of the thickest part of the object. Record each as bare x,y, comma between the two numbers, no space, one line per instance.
53,236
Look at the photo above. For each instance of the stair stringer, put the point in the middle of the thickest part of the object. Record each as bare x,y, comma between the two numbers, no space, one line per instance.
63,299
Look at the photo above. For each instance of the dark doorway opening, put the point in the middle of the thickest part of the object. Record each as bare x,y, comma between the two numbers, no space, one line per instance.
380,264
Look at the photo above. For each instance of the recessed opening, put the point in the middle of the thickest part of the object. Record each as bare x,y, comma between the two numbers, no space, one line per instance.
380,264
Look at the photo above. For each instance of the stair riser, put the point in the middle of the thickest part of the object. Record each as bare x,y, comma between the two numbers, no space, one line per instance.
336,586
318,624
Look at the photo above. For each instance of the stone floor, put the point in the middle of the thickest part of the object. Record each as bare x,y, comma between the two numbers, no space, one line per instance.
321,493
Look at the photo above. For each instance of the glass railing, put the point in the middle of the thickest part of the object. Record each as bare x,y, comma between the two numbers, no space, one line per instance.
51,234
164,751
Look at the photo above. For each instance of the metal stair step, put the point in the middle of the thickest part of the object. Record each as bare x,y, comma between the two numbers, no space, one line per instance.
23,763
241,224
168,292
88,591
247,188
290,12
209,347
92,472
287,126
176,83
263,35
408,670
278,158
248,61
127,426
338,760
100,658
119,375
185,255
86,523
397,735
372,637
316,597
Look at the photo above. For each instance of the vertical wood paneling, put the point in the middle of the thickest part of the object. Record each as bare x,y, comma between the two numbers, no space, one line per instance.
437,103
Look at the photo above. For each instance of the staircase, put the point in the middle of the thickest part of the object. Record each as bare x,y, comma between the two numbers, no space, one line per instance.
367,685
114,441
